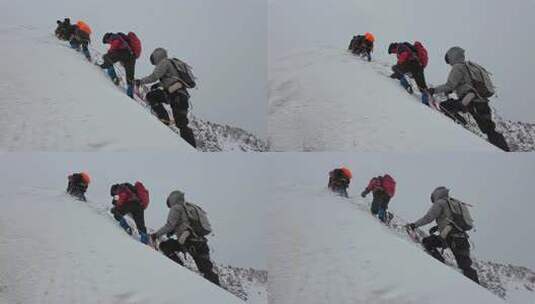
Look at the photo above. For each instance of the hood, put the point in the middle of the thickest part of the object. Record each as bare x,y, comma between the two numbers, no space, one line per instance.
158,55
175,198
440,193
455,55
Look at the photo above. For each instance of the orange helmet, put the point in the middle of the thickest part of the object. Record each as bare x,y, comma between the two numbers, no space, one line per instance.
370,37
83,27
347,172
85,177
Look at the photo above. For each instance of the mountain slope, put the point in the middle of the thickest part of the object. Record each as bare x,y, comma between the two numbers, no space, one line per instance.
350,258
54,100
326,99
65,252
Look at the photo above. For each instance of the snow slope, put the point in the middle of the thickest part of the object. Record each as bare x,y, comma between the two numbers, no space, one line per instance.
57,250
52,99
325,99
335,253
41,229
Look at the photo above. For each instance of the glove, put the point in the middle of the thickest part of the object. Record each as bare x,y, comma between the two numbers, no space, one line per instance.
137,82
431,91
411,226
363,194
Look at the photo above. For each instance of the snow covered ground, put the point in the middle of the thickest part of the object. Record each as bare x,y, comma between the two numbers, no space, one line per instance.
54,100
351,258
57,250
225,46
325,99
325,249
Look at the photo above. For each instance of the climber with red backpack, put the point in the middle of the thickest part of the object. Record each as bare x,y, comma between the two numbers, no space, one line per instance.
411,59
383,189
124,48
133,200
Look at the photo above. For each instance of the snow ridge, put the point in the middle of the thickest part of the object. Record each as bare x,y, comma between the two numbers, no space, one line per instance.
507,281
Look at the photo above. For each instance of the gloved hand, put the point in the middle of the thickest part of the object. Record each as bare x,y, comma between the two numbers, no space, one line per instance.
431,91
410,226
363,194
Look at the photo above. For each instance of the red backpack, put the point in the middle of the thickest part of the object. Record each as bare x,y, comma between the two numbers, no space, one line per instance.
135,44
142,194
389,184
421,53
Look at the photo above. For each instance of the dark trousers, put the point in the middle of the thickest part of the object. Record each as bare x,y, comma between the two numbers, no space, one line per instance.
380,204
179,103
127,60
135,210
413,67
77,191
483,116
199,251
81,39
460,247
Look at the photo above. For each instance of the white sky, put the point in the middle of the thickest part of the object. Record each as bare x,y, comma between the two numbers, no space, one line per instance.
224,41
496,34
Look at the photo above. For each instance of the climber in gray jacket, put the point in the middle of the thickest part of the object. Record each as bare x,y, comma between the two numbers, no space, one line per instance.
460,82
448,236
187,241
172,81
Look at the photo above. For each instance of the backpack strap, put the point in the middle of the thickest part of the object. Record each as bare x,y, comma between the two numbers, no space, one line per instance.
471,76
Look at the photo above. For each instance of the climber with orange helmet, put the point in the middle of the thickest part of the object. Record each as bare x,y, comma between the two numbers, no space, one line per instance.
339,180
78,183
80,39
362,45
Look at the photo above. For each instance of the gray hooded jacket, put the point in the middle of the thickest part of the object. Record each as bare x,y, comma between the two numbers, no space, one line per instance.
459,80
177,220
439,211
164,70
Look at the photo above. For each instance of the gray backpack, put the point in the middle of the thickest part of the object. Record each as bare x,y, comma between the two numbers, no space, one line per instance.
480,79
198,219
460,215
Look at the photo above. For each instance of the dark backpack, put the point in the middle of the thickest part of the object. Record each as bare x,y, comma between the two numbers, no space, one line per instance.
460,215
198,219
142,194
185,74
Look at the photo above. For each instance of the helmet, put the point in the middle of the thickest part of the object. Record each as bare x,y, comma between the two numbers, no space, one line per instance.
106,38
85,178
370,37
392,47
347,172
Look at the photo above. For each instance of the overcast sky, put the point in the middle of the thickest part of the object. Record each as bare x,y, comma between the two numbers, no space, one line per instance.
498,185
224,41
496,34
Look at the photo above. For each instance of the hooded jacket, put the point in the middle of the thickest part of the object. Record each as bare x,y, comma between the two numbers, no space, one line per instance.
177,219
439,212
459,80
164,70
